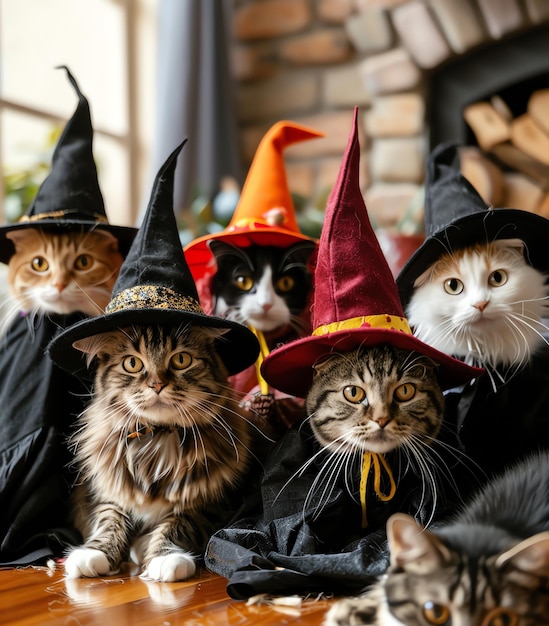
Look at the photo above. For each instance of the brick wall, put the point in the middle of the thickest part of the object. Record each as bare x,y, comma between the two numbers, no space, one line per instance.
312,61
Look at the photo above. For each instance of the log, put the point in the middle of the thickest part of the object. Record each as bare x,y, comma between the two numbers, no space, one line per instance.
520,192
515,159
527,135
487,124
538,108
485,176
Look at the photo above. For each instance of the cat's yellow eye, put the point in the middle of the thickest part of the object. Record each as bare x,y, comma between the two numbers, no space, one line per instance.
354,394
181,361
405,392
39,264
132,364
83,262
244,282
437,614
497,278
453,286
285,283
500,617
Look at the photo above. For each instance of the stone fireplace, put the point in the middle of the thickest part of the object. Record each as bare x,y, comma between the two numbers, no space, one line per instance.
410,65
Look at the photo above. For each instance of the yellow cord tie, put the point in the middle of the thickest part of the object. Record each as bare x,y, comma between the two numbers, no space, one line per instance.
376,458
263,352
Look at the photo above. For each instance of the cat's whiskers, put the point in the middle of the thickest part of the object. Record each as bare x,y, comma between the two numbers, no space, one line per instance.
418,457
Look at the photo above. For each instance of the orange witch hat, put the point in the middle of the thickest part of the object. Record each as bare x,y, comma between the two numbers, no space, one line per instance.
265,213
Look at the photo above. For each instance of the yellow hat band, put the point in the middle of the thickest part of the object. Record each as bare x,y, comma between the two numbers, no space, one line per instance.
58,214
392,322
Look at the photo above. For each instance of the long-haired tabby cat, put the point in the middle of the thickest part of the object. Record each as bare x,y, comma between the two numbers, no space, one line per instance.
483,303
159,447
489,566
60,273
266,287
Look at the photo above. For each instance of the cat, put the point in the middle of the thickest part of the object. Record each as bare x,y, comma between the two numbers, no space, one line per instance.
483,304
487,566
158,448
52,273
266,287
373,444
378,399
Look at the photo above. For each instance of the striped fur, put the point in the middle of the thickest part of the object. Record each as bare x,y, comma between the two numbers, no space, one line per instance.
489,566
157,449
354,406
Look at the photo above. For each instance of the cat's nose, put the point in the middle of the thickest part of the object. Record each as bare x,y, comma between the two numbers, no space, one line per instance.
382,421
267,306
157,386
59,286
481,305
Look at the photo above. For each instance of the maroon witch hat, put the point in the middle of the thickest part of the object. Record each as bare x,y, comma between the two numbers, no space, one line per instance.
356,301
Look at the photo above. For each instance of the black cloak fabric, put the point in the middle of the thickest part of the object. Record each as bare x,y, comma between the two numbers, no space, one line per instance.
278,545
38,405
497,427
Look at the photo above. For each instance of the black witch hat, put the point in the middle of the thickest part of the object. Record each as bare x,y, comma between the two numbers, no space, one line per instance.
155,286
456,217
69,198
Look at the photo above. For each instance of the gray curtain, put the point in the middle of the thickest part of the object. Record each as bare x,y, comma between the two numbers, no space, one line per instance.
195,97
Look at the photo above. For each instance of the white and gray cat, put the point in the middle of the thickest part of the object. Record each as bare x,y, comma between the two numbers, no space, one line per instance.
60,273
488,566
484,304
158,451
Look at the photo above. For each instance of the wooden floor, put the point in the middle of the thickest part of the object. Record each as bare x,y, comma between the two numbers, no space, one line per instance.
43,597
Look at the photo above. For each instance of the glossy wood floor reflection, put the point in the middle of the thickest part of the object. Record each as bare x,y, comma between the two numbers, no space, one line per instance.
38,596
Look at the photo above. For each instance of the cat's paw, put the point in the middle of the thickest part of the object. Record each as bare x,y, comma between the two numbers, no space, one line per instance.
171,567
87,562
351,612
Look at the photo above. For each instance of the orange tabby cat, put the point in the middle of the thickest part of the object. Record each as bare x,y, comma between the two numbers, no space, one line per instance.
61,272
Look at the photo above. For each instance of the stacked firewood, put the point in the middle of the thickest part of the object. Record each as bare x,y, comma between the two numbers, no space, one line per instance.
510,165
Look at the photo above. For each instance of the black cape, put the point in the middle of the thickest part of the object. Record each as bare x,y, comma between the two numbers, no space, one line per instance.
38,406
281,542
498,426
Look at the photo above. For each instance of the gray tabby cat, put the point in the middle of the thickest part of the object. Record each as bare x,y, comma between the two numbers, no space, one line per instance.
155,468
376,399
488,567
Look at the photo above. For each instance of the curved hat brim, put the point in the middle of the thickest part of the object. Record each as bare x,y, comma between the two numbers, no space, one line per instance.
238,348
124,234
479,227
199,256
290,367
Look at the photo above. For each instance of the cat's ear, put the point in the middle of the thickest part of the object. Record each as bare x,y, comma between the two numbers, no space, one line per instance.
425,276
221,248
412,547
530,556
22,238
513,244
300,254
94,345
322,363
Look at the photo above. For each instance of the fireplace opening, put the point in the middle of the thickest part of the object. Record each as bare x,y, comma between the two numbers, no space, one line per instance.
511,69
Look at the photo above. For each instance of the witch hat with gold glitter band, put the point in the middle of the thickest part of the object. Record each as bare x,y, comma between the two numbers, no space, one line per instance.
69,199
265,213
355,299
155,286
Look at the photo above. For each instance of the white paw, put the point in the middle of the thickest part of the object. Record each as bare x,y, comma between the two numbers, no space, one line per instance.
86,562
171,567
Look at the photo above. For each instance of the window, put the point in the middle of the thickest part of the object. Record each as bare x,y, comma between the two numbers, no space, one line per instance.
109,47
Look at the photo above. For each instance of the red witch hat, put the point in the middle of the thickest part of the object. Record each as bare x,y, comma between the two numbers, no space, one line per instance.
265,213
356,301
